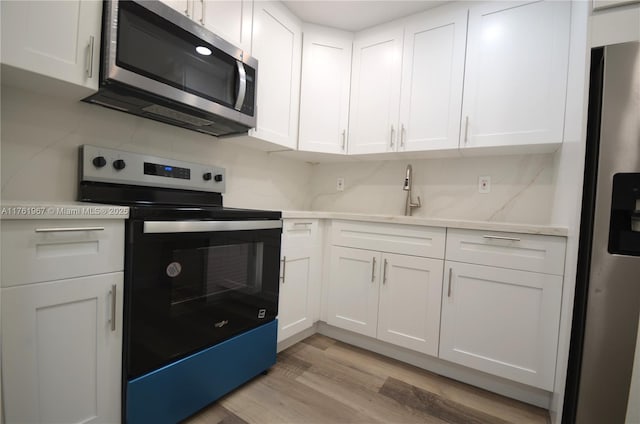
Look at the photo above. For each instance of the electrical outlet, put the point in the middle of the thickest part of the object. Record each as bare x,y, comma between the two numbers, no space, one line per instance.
340,184
484,184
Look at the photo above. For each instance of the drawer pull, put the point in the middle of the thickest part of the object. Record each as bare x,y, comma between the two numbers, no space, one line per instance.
284,268
450,275
373,270
384,272
69,229
113,307
300,224
501,238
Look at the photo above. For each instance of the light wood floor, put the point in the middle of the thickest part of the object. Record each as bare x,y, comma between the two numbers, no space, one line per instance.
321,380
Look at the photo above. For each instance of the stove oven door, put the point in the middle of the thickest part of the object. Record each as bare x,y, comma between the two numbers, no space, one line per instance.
192,284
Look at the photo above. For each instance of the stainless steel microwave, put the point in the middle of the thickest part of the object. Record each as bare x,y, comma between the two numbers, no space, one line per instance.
159,64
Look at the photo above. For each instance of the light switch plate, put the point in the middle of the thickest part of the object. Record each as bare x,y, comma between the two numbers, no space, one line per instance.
484,184
340,184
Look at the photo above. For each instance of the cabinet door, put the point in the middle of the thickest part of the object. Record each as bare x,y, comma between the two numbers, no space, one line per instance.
231,20
516,74
277,44
353,290
432,77
410,297
183,6
375,91
298,277
61,358
59,39
501,321
324,93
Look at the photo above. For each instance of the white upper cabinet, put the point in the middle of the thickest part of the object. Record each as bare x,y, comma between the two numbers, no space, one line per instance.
59,39
324,93
375,90
277,44
516,74
232,19
432,76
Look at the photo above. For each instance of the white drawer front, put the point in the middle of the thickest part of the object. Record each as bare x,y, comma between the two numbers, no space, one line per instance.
45,250
392,238
299,233
527,252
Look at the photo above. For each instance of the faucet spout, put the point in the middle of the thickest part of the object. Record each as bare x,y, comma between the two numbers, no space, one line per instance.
409,204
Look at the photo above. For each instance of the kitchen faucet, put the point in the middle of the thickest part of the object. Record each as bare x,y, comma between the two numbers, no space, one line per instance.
409,205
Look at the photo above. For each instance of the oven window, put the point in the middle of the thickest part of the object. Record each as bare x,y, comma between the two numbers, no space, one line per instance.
205,274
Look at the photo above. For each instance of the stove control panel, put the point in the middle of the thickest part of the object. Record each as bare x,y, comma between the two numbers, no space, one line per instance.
101,164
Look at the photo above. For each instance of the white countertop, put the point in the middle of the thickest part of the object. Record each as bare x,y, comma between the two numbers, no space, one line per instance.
433,222
67,210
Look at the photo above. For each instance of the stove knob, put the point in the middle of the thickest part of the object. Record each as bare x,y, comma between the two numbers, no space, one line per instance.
206,176
119,164
99,161
218,178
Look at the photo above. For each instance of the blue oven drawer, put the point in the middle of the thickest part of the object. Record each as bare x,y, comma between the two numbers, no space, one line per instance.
180,389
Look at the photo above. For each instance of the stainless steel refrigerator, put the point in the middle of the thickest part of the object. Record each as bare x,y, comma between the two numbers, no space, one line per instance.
607,303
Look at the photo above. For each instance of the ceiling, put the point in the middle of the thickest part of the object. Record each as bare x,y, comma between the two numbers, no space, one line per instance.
353,15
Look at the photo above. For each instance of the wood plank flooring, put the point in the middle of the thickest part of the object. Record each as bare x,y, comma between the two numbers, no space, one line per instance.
321,380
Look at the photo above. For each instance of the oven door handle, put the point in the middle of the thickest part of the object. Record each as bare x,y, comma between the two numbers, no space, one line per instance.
156,227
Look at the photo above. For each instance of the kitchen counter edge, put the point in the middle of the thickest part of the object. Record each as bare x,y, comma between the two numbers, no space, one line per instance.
432,222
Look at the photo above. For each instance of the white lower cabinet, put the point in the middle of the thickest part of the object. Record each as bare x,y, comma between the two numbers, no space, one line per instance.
395,298
353,290
392,293
409,311
298,306
62,350
502,321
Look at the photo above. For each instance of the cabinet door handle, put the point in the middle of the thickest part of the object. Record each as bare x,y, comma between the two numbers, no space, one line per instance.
466,129
500,238
384,273
391,137
186,9
296,224
450,275
284,268
202,13
402,133
373,269
67,229
90,58
113,307
344,139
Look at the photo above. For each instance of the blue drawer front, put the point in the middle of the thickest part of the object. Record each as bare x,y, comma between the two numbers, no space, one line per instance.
178,390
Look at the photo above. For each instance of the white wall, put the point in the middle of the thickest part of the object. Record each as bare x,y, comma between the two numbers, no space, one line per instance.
40,136
522,187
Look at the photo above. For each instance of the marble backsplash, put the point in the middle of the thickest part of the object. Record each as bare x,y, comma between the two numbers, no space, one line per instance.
522,188
40,136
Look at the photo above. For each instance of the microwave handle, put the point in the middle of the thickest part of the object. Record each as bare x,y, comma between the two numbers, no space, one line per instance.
242,89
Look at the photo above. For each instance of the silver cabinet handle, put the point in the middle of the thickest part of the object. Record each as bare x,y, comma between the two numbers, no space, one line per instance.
402,133
242,87
450,275
391,137
384,272
344,139
284,268
67,229
90,58
202,13
296,224
500,238
373,269
186,9
113,307
466,130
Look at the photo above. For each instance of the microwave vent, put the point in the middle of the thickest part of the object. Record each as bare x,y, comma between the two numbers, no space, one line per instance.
175,115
